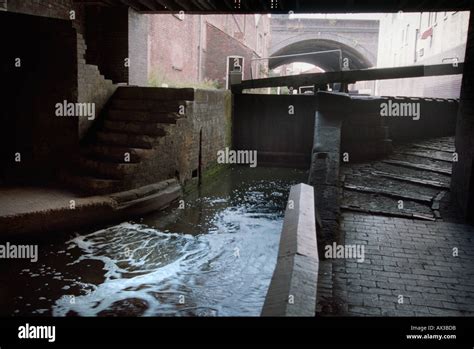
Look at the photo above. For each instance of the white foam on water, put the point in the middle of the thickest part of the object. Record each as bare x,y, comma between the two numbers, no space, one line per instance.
223,272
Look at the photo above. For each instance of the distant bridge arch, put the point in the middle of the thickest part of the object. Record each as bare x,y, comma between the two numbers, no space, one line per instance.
357,39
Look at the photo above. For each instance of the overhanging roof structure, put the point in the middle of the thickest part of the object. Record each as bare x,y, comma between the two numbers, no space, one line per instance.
284,6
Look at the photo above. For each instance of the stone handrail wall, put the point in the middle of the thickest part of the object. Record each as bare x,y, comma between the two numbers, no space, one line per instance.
292,290
325,160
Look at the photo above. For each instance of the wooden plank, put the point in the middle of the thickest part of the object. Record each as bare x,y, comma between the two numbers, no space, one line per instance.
425,182
418,197
417,166
351,76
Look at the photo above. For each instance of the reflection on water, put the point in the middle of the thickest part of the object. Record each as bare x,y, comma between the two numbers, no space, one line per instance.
215,257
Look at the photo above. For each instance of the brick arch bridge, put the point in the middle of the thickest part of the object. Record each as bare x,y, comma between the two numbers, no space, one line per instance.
357,39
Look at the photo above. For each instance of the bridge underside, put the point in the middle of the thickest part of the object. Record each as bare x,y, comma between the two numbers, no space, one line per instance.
252,6
328,61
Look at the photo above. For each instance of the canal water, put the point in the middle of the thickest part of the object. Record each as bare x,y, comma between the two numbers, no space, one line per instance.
212,254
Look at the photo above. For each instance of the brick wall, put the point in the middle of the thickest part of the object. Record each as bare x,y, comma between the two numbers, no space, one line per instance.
173,48
434,86
219,46
138,48
177,47
107,41
208,120
92,87
246,29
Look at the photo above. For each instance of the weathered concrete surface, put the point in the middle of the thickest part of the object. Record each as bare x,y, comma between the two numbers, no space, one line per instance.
43,210
292,291
324,171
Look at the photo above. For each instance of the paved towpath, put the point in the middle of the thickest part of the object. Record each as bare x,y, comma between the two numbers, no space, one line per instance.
418,255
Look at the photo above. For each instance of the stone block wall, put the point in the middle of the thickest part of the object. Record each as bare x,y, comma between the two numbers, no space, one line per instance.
206,128
92,87
325,162
106,36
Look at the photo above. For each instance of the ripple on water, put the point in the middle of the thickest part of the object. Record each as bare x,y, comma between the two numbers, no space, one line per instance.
148,272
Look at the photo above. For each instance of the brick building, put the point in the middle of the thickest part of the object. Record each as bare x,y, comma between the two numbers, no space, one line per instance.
422,38
194,48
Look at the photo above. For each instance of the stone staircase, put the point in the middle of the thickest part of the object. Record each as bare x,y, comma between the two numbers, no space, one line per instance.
131,127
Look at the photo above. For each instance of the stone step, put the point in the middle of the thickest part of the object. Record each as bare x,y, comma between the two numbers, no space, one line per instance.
89,184
132,127
142,116
156,93
149,105
127,140
116,154
107,170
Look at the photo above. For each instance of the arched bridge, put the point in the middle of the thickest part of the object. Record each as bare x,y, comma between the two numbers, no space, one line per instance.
357,39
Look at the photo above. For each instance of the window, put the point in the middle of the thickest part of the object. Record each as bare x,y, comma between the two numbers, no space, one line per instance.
417,33
406,34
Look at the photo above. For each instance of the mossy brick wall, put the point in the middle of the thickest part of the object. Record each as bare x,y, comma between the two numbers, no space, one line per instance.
208,121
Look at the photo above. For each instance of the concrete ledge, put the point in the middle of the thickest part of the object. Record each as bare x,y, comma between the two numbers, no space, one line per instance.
157,93
90,211
292,290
